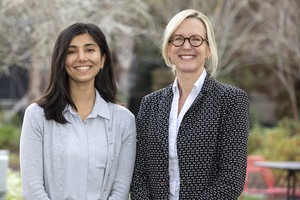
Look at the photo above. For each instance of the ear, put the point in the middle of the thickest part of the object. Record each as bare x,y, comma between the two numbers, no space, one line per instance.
169,51
208,53
103,58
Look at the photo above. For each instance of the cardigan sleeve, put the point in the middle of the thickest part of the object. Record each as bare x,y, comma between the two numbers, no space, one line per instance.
140,184
31,154
126,158
230,180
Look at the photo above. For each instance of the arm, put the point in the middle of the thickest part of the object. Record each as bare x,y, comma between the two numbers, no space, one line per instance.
232,150
31,156
126,159
140,185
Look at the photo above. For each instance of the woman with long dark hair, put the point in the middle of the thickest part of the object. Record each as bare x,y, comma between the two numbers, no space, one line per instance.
76,143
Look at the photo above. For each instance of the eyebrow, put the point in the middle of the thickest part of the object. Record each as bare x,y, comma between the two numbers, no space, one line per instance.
88,44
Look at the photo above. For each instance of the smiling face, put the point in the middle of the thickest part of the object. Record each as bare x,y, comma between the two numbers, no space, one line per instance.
186,58
83,60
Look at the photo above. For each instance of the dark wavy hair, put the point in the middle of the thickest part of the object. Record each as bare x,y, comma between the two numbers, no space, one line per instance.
57,95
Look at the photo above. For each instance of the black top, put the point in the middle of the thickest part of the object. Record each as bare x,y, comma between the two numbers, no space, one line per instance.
211,144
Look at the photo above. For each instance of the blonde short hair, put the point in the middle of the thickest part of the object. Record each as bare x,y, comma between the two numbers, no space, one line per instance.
212,63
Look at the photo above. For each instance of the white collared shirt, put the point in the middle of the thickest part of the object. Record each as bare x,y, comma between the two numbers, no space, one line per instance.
86,152
174,124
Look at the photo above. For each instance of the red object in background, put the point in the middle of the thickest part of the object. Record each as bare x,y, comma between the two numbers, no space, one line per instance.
268,178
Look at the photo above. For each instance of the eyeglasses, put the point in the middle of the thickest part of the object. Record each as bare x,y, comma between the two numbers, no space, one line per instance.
194,40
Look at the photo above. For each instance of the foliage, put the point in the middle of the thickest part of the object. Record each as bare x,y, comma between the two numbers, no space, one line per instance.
161,77
14,188
256,139
292,127
16,120
280,143
255,118
248,197
10,137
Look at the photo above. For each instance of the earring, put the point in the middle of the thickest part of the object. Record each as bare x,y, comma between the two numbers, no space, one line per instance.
206,59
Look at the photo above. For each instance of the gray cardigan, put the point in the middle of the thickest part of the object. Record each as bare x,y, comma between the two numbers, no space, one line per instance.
43,155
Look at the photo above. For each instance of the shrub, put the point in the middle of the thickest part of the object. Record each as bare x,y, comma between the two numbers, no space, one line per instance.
14,188
256,139
280,143
10,137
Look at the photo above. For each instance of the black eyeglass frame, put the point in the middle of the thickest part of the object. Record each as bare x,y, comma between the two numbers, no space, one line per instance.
187,38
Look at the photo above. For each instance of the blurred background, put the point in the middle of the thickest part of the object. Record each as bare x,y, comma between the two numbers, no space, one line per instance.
258,48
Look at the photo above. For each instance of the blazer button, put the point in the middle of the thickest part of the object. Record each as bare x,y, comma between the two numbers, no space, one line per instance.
185,183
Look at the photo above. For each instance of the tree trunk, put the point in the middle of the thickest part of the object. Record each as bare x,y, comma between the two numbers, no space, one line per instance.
292,96
34,79
125,56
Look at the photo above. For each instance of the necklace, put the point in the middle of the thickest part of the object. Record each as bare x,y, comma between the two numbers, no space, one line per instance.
86,114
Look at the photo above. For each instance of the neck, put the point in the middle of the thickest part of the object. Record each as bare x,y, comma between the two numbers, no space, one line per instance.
83,98
186,82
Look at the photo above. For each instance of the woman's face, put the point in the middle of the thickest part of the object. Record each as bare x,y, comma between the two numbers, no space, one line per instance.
83,60
186,58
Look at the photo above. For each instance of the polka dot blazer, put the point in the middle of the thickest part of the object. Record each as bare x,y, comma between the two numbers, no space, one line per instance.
211,145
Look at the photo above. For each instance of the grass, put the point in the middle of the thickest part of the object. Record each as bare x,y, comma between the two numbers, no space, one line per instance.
246,197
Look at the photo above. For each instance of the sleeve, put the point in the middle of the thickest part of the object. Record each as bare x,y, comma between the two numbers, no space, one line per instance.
126,159
230,181
31,156
140,184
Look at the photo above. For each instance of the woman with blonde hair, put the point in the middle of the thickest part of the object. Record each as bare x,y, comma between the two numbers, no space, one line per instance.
192,135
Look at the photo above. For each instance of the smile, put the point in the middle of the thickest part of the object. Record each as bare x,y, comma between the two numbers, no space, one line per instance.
83,68
187,57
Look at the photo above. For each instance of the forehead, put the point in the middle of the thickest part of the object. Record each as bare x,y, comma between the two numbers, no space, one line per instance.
82,39
191,26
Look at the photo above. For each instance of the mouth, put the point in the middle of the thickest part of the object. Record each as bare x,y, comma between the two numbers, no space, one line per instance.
83,68
187,57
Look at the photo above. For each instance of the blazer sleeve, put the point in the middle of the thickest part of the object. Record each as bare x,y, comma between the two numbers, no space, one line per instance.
140,184
233,150
31,155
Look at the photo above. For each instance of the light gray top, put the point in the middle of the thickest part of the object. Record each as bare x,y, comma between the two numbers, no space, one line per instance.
86,152
43,150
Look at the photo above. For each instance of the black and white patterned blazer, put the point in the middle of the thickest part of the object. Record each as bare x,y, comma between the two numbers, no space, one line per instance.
211,145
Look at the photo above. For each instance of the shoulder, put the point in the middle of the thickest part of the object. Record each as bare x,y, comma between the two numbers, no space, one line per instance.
34,117
154,96
228,96
120,112
122,121
34,110
225,90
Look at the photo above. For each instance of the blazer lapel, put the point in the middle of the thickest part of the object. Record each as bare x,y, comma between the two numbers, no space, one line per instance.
196,105
163,119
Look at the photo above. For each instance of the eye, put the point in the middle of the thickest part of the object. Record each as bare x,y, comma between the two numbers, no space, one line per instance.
177,38
90,50
196,39
71,52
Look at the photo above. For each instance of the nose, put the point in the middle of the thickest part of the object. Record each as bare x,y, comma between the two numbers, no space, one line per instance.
81,56
186,44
